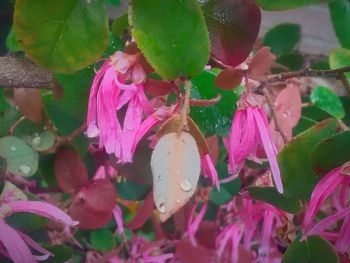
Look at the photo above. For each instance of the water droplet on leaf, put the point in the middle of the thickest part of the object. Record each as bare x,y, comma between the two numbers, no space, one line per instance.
36,140
13,148
162,208
25,169
186,185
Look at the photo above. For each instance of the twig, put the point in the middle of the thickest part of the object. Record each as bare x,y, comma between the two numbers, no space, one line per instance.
186,106
272,109
21,73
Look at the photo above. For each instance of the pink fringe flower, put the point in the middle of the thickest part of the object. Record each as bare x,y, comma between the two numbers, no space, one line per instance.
17,244
249,131
119,84
337,179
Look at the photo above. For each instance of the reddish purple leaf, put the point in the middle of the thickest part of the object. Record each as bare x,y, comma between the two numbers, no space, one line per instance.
70,171
261,63
29,102
98,196
229,78
188,253
143,213
207,233
233,28
158,87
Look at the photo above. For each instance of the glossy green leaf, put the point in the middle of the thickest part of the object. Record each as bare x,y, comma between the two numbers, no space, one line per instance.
220,198
26,221
297,175
7,118
63,36
293,61
233,28
286,4
339,58
327,100
215,119
172,35
21,158
282,38
102,240
331,153
273,197
42,141
313,250
340,14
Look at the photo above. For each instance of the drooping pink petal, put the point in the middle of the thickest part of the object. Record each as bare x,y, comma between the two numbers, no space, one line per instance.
118,216
193,224
343,242
43,209
14,244
209,170
322,190
267,231
269,148
326,222
33,244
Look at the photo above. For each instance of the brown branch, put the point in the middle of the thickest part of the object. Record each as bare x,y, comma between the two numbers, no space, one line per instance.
21,73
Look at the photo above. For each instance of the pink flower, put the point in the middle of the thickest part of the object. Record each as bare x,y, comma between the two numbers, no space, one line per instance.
249,131
119,85
337,179
193,223
209,170
17,244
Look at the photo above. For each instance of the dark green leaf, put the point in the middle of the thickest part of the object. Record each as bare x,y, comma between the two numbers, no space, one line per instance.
286,4
11,42
293,61
172,35
220,198
61,254
331,153
26,221
102,240
7,118
20,157
314,250
63,36
233,28
297,176
327,100
129,190
282,38
273,197
215,119
340,14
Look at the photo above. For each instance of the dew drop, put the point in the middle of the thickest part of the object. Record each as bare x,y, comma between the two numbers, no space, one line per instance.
186,185
159,177
36,140
178,201
25,169
162,208
13,148
178,172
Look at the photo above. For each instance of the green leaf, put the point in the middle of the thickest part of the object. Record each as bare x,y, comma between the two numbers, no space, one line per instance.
286,4
69,113
11,42
220,198
120,25
61,254
63,36
293,61
215,119
340,14
102,240
297,176
339,58
282,38
314,249
26,221
42,141
172,35
327,100
8,118
273,197
331,153
129,190
21,158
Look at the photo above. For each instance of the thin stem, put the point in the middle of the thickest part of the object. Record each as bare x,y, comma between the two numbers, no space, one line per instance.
186,106
273,114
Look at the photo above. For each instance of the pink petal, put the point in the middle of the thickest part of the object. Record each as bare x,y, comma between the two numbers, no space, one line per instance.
322,190
118,216
326,222
43,209
33,244
343,242
209,170
14,244
193,224
269,148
